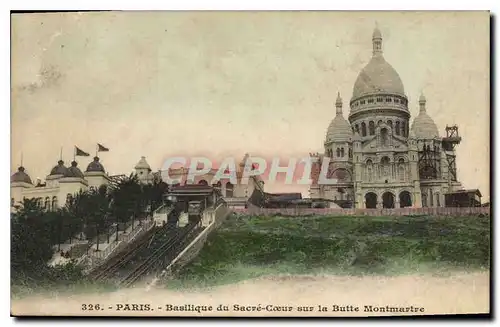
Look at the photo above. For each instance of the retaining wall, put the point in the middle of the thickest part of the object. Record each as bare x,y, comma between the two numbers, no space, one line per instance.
438,211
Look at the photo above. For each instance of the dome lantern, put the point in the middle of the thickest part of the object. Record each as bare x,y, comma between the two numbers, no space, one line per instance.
377,42
338,104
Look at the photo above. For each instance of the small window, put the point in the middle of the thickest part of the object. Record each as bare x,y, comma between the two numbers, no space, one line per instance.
396,100
388,99
371,101
380,99
362,101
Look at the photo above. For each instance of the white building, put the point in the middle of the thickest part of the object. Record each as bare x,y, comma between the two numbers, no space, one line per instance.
375,158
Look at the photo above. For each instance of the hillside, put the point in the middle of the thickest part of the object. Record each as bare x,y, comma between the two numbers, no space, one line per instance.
247,247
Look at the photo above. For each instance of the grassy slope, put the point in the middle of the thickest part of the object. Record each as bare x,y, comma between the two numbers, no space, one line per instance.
246,247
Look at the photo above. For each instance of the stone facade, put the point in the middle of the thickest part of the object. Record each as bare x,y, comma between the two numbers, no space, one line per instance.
376,160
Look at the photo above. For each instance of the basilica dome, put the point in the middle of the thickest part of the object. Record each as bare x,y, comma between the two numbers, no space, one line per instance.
423,126
378,76
339,129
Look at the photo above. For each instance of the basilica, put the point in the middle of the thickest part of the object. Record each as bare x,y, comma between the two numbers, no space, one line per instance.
376,159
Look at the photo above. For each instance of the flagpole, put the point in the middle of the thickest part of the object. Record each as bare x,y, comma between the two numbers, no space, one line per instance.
60,154
74,154
96,149
21,159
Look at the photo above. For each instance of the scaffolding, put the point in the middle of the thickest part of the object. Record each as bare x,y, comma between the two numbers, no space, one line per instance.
451,140
428,161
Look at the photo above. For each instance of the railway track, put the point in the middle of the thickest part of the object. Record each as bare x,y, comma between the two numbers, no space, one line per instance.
166,252
115,264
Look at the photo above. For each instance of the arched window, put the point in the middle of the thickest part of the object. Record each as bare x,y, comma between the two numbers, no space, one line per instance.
369,170
438,202
47,203
403,129
342,154
384,139
401,169
431,198
389,122
371,127
338,152
363,129
54,202
397,128
357,128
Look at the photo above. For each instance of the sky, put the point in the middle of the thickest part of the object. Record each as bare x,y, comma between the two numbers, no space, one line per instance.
162,84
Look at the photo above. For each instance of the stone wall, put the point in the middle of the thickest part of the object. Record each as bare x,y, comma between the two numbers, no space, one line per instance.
437,211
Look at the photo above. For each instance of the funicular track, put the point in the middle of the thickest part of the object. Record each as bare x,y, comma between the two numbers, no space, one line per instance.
164,254
109,269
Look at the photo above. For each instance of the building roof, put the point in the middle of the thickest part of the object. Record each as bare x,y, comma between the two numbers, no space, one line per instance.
143,164
20,176
423,125
95,166
60,169
339,129
74,171
378,76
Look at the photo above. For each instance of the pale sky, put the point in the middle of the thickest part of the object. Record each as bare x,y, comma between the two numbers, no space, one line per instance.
161,84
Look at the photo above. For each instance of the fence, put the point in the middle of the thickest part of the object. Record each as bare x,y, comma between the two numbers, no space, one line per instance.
438,211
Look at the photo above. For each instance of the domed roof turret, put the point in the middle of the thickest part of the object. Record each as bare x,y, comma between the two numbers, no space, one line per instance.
74,171
339,129
378,76
423,126
95,166
60,169
20,176
143,164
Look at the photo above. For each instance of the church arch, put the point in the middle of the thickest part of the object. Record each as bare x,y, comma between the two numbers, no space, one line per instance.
371,127
363,129
397,128
371,200
389,123
438,202
405,199
202,182
54,202
342,153
403,129
338,152
357,128
388,200
47,203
